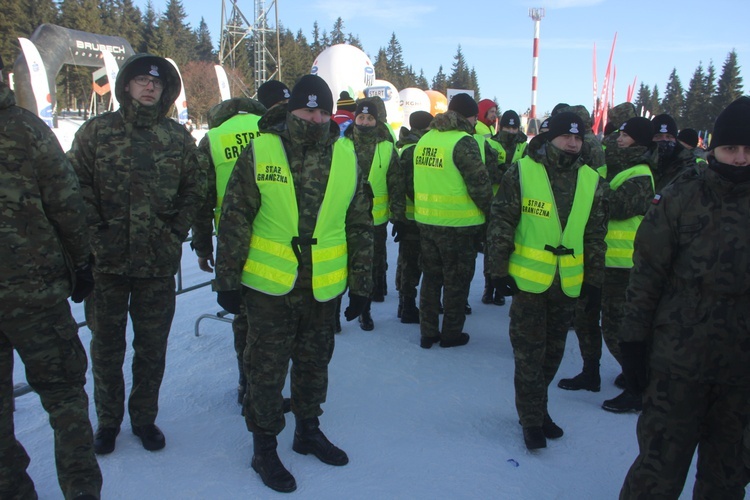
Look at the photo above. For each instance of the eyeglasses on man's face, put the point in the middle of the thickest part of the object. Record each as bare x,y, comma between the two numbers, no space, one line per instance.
143,81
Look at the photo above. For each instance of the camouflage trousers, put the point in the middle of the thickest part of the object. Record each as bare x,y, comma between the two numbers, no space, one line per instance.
613,308
379,255
677,417
239,331
588,331
408,269
448,264
587,327
292,327
538,328
55,361
151,304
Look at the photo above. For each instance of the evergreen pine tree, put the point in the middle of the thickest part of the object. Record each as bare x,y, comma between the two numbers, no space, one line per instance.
421,81
204,50
729,86
440,81
337,32
10,29
150,25
459,77
380,65
177,38
654,102
693,100
643,100
395,63
674,98
33,14
130,23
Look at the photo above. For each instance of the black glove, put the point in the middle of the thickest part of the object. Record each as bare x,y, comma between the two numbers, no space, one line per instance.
634,357
230,300
83,284
397,231
593,296
357,304
505,285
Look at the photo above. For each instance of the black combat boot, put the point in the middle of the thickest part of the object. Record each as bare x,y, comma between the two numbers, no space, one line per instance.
550,429
467,308
489,291
461,339
104,440
151,436
534,438
266,462
409,312
308,438
587,380
365,319
620,381
625,402
499,298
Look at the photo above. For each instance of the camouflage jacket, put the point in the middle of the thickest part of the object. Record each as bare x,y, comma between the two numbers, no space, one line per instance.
634,196
468,159
310,163
42,225
365,143
666,172
689,292
510,142
506,211
203,226
142,184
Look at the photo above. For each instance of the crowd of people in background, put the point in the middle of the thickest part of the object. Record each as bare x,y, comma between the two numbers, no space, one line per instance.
638,237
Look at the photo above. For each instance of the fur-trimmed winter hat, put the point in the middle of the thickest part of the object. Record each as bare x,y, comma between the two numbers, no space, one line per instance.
464,105
689,136
664,124
273,92
419,120
510,119
366,107
639,129
566,122
346,102
311,91
732,126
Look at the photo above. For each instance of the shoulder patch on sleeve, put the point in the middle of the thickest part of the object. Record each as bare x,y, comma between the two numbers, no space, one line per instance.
656,200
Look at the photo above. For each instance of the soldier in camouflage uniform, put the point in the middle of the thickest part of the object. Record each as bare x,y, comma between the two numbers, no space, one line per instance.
452,194
296,229
674,159
142,184
45,255
587,326
378,161
546,239
232,124
685,337
405,230
629,197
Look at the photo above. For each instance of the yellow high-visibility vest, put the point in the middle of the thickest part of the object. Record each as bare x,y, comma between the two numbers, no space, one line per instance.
621,233
271,266
542,247
440,194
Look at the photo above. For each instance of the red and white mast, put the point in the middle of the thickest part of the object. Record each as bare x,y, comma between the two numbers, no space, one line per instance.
536,15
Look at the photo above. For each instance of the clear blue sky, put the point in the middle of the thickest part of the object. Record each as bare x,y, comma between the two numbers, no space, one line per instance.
496,38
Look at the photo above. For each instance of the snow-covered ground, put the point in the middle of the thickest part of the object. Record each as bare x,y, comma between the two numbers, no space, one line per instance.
417,424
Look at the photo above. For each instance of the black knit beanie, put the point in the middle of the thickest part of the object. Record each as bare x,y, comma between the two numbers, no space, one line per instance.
640,129
272,92
464,105
510,119
565,123
311,91
689,136
558,107
732,127
419,120
664,124
366,107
